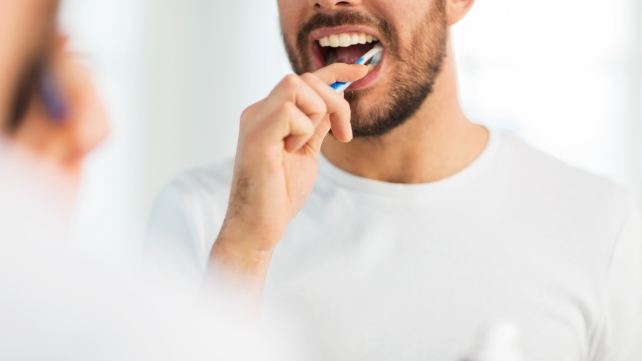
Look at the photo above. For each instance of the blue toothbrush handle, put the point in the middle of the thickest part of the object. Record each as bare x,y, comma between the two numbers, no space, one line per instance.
340,86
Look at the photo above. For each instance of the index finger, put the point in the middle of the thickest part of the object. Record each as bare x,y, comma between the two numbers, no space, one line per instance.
342,72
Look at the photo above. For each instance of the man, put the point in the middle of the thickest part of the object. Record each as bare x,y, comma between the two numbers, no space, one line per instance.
409,228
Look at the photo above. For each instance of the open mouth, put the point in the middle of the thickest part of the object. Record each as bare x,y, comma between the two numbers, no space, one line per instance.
342,48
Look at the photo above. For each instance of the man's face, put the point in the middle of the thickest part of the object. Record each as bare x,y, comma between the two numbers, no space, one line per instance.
25,35
414,37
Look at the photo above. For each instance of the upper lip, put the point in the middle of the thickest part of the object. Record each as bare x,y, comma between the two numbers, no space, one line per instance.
317,34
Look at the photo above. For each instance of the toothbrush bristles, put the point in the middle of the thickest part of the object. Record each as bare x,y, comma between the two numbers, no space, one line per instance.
371,56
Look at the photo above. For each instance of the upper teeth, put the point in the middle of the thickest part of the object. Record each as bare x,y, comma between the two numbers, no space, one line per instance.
347,39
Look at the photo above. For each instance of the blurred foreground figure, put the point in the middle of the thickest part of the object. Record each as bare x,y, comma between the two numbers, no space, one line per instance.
50,114
57,304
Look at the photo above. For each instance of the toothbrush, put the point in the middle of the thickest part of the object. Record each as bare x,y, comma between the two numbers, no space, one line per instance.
51,96
373,56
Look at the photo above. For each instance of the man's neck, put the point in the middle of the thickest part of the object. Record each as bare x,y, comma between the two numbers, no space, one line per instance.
437,142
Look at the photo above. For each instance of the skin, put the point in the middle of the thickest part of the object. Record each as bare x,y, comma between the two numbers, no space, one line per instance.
28,32
282,137
22,28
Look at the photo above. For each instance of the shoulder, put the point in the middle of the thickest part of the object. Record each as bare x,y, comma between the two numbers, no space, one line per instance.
210,178
187,215
207,184
577,215
195,201
547,178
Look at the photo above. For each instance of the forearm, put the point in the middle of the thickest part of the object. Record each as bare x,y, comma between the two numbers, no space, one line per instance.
234,259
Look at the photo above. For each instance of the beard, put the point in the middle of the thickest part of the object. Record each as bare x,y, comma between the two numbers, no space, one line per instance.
412,70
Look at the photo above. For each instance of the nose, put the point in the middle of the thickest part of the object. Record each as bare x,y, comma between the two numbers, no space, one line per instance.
325,5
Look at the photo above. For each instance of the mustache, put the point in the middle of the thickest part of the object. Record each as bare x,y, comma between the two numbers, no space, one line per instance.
321,20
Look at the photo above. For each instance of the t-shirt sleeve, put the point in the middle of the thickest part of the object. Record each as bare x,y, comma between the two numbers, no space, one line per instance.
622,334
183,224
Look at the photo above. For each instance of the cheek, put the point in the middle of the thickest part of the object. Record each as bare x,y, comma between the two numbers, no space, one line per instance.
410,9
289,13
405,17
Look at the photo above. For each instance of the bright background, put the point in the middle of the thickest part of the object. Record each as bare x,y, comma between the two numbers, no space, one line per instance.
565,76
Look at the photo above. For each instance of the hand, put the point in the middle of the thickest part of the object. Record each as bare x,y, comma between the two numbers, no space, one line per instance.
277,157
64,142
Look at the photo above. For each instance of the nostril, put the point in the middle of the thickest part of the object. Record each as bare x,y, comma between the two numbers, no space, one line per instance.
330,4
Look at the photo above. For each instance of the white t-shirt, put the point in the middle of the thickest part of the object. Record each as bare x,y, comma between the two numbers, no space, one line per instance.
380,271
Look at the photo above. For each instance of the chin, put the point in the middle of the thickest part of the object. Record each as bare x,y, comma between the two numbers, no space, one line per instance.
364,102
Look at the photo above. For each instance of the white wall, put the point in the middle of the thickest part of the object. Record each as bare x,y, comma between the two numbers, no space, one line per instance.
176,75
107,35
564,75
207,61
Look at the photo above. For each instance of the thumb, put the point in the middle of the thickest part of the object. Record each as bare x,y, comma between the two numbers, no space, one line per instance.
342,72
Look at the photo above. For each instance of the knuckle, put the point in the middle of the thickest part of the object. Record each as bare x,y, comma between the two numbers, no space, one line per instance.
308,77
290,82
307,127
323,108
345,110
341,106
285,113
247,113
311,127
287,109
344,104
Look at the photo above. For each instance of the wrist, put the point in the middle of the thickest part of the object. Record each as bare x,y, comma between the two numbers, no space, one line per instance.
242,268
238,249
243,251
248,236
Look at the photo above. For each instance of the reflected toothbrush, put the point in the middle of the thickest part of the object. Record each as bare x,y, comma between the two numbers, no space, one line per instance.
372,58
51,96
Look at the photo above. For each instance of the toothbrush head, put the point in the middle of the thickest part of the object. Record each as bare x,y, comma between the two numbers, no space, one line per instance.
373,57
376,59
